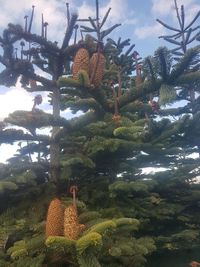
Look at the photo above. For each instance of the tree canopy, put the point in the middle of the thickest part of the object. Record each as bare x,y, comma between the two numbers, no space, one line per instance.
102,209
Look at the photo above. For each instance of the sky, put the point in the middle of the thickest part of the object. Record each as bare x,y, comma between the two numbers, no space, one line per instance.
138,19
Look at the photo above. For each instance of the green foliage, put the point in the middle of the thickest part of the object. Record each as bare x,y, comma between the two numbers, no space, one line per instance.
163,62
186,62
88,215
99,144
24,248
88,260
167,95
90,240
127,221
130,133
132,252
78,160
136,187
36,261
7,186
83,78
27,178
103,228
186,236
60,243
64,82
104,155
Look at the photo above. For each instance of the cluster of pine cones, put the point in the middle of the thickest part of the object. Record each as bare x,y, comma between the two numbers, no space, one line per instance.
94,66
63,221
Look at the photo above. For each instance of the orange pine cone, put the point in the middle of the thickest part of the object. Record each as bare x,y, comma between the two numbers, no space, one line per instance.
81,62
32,83
72,228
194,264
116,118
138,81
55,219
97,66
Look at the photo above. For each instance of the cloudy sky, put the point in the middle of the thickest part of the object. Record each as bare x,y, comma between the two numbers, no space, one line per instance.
138,20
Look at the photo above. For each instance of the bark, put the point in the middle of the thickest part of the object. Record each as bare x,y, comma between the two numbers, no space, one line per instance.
54,146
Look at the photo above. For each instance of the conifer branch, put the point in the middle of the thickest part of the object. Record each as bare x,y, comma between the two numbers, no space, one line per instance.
69,30
143,89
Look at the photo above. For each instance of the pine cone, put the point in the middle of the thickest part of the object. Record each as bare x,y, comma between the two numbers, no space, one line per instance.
81,62
55,219
97,66
33,84
72,228
116,119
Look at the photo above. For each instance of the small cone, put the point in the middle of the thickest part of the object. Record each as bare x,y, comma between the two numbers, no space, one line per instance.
138,79
81,62
32,83
194,264
97,66
55,219
72,228
116,118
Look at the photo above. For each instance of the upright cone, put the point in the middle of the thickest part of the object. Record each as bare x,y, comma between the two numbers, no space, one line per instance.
33,84
72,228
55,219
81,62
97,66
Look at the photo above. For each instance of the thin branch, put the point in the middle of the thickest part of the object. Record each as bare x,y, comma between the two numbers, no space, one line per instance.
69,31
35,38
178,16
183,16
97,11
3,61
68,14
136,93
193,21
167,26
31,20
105,18
85,20
39,88
38,78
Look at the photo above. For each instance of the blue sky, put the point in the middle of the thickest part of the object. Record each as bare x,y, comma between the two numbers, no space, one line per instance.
138,20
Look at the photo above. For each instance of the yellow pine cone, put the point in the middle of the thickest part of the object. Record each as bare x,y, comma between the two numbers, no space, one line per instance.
72,228
55,219
97,66
81,62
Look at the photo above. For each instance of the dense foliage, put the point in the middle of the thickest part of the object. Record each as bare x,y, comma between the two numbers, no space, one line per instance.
127,124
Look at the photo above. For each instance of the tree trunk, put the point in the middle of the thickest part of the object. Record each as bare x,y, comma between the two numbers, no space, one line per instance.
55,146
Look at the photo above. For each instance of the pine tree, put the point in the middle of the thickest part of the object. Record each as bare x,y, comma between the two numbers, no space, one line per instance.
122,215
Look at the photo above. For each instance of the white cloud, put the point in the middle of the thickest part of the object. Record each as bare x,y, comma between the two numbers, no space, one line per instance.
149,31
54,13
14,99
167,8
153,170
120,12
85,11
164,8
18,99
7,151
130,21
191,12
